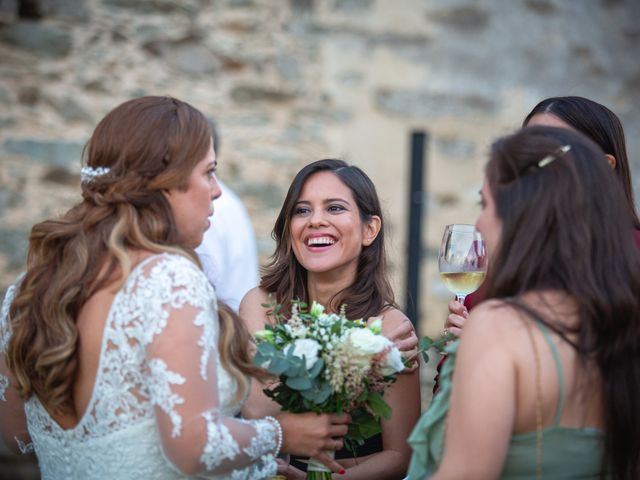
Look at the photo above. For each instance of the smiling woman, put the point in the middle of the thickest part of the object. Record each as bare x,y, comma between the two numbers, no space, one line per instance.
327,233
318,195
330,249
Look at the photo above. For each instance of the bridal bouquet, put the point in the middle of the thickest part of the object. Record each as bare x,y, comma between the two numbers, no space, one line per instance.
329,364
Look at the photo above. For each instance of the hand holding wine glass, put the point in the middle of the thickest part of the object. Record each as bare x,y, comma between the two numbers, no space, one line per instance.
462,261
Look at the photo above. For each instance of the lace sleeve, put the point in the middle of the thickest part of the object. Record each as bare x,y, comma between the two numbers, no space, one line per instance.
181,352
13,422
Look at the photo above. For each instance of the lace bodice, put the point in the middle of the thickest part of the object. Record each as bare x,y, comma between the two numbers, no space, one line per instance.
161,405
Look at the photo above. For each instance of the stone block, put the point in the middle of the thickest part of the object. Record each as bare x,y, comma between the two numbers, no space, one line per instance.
464,18
71,109
69,9
256,93
426,104
13,246
10,198
7,122
541,7
61,176
154,6
268,195
6,96
455,147
288,67
255,119
301,7
240,3
322,115
352,6
353,34
61,153
39,38
28,95
192,58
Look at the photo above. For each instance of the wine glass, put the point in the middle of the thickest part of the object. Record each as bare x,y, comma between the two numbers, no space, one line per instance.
462,261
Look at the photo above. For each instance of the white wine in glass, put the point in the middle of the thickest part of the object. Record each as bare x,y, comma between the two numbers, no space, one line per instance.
462,261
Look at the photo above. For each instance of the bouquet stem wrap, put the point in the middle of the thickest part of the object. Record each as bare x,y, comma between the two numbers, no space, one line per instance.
316,470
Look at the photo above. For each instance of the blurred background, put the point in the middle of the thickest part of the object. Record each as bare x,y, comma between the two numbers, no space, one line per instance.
292,81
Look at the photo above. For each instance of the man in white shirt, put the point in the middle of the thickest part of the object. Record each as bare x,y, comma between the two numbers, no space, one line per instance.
228,250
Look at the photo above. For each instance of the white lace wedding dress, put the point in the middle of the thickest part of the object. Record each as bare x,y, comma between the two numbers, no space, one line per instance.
162,406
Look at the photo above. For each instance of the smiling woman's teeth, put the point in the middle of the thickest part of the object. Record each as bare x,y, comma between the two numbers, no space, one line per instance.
320,241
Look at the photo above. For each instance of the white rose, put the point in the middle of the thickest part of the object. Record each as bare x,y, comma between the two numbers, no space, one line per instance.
366,342
392,362
306,349
365,345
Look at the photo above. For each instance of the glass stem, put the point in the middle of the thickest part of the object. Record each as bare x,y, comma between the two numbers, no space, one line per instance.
460,298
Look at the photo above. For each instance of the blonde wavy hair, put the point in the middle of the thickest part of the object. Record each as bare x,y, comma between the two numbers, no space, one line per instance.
150,144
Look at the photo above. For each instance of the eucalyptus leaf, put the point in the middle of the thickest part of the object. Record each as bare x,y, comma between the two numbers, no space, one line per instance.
319,392
297,367
299,383
317,368
266,348
260,359
278,365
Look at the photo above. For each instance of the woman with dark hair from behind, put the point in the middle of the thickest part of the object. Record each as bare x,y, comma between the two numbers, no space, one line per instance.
547,373
115,359
330,249
599,124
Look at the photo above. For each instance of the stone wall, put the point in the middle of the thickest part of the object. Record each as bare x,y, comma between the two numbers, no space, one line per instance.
288,82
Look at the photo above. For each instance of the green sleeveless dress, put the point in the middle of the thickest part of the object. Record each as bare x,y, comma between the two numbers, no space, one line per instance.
567,453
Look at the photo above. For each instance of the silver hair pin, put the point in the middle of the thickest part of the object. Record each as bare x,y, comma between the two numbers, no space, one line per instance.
89,174
553,156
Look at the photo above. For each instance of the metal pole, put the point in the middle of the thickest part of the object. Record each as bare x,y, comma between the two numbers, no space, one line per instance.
416,201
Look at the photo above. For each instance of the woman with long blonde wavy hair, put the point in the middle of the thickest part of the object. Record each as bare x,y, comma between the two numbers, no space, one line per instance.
115,359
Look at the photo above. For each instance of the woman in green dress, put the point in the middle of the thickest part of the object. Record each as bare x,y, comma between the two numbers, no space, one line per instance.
547,371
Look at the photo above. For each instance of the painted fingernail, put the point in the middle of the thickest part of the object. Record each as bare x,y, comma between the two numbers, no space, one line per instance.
342,471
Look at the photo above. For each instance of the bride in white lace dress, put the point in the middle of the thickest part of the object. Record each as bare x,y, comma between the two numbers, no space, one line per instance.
115,360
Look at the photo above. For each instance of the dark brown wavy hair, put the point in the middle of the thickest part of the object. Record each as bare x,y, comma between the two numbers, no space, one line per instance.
602,126
286,279
565,227
150,144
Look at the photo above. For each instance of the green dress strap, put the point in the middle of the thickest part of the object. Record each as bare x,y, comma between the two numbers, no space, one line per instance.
556,357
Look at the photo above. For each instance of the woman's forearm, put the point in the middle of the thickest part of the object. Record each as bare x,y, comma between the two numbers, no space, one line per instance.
384,465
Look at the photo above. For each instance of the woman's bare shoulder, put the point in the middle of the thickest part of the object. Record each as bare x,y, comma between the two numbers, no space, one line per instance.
495,321
255,295
253,310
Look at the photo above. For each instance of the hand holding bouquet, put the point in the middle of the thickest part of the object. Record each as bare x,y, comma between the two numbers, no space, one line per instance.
329,364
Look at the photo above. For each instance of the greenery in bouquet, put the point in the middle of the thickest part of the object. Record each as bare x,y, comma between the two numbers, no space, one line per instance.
327,363
427,343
